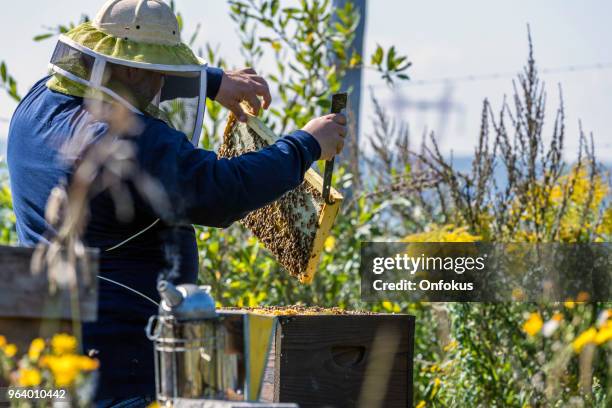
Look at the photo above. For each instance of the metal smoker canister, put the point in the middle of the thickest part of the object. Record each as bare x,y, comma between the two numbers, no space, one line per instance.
189,345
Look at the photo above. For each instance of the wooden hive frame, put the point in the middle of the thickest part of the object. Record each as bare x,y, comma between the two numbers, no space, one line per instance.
313,183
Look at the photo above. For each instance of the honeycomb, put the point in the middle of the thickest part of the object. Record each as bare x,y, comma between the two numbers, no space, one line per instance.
289,228
300,310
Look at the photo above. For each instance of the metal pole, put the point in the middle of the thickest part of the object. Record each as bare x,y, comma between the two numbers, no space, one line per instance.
353,77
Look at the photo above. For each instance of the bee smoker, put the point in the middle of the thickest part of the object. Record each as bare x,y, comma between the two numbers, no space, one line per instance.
189,345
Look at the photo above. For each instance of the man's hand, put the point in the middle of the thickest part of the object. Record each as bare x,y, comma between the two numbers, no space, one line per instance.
329,130
243,86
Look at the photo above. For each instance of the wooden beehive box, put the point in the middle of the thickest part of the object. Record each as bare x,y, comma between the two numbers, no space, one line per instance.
28,310
341,361
295,227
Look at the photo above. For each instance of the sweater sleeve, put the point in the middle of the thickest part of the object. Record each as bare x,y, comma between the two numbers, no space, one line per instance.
214,78
204,189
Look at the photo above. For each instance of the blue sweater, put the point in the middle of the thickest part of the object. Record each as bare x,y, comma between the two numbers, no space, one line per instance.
203,189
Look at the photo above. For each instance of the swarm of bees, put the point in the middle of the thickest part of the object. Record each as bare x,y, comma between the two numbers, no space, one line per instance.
292,228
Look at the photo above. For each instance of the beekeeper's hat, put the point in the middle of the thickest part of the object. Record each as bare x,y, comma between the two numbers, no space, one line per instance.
141,34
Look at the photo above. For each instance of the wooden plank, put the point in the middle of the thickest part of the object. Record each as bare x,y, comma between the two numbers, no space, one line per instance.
326,359
326,222
271,384
24,295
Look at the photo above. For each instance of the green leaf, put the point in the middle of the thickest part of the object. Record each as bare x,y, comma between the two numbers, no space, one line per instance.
291,10
324,103
3,71
42,37
274,7
378,56
342,29
195,34
391,59
179,18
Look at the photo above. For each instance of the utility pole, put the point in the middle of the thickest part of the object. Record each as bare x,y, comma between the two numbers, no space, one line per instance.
353,78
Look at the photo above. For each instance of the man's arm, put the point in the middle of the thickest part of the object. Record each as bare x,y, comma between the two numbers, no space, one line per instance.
203,189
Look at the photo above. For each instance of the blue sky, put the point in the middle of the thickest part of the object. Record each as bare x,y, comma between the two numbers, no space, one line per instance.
442,39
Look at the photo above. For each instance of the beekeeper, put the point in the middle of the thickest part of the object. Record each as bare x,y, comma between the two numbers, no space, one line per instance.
131,56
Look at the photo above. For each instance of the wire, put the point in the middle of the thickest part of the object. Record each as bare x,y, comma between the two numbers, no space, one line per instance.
600,66
132,237
123,243
128,288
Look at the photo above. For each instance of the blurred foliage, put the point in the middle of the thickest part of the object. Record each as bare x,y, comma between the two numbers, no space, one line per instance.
50,32
519,189
8,232
48,365
8,82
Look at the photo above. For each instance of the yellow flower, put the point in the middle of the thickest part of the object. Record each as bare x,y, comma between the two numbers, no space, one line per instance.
204,236
446,233
10,350
63,344
65,378
2,341
604,334
29,377
391,307
330,243
88,364
450,346
64,368
556,194
436,386
606,223
586,337
569,303
36,347
421,404
533,325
